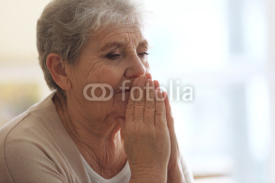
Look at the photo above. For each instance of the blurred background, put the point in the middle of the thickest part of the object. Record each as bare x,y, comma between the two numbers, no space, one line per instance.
223,49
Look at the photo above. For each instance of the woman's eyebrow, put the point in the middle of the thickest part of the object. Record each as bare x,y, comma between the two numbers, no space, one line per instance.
118,44
111,45
143,43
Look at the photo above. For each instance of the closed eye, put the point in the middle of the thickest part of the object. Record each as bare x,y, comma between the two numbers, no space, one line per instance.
112,56
144,54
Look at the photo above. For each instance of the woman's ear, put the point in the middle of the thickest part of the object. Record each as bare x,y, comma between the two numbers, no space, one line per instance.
56,66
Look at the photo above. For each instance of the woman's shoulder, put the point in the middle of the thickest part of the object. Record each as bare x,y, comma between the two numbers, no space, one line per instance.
36,143
31,118
33,126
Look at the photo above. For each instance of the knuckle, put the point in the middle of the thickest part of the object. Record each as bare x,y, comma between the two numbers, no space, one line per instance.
149,108
160,113
130,106
140,104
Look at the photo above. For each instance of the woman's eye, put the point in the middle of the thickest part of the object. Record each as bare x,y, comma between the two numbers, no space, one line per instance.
113,56
144,54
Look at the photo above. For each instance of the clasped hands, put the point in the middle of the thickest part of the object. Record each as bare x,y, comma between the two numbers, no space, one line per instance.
150,141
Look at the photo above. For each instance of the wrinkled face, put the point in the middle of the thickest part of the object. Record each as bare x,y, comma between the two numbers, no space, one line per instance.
111,57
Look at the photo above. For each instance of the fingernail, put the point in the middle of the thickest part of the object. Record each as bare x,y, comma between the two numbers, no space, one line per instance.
147,81
135,81
142,78
160,94
149,76
165,95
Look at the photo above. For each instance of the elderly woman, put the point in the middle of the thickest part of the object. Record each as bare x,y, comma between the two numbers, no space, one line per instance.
70,136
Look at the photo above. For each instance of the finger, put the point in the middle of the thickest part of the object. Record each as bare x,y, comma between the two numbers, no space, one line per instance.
156,83
130,109
173,138
170,119
160,113
139,99
148,75
165,96
149,112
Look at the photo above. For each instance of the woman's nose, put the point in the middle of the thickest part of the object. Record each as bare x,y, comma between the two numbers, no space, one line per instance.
136,67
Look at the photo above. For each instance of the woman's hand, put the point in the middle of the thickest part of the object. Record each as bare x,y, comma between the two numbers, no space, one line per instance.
175,173
146,135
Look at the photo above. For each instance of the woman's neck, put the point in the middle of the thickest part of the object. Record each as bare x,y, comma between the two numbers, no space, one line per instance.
101,146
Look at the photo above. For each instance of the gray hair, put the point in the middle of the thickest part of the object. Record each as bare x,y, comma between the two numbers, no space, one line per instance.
65,26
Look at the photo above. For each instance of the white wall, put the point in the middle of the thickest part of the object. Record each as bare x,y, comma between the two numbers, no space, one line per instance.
270,7
18,29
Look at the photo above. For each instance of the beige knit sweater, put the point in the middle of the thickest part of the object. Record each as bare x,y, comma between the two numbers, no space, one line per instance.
35,147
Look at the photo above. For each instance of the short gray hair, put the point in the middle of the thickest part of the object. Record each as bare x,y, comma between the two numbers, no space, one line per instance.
65,26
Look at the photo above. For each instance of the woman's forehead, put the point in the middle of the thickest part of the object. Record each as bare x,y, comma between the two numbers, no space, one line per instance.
120,37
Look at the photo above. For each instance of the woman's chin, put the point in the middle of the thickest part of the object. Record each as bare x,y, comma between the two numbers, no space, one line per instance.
120,108
122,111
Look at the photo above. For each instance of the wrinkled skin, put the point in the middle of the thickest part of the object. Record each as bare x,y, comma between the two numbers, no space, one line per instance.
108,133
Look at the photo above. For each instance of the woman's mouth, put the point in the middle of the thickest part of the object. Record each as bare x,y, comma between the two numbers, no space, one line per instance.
124,91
